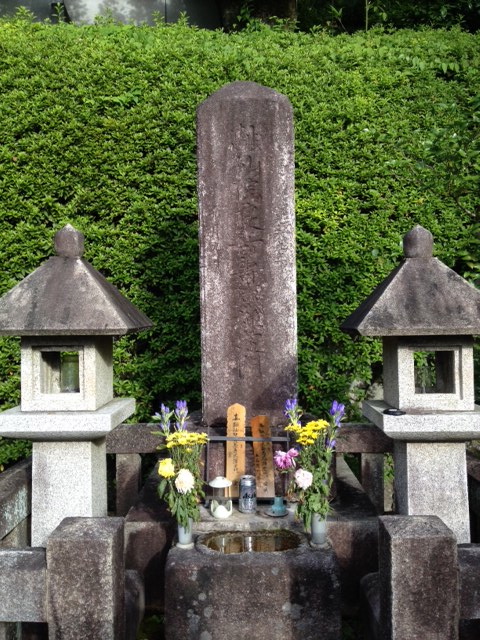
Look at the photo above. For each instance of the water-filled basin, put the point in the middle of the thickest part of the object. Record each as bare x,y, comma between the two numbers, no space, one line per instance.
252,541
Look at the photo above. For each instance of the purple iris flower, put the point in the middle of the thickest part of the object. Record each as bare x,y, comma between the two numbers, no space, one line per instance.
181,414
290,405
164,418
292,410
337,411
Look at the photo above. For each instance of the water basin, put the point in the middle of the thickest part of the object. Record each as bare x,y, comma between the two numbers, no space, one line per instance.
266,541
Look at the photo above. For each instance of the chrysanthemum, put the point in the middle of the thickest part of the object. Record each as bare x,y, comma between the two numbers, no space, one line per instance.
166,468
303,478
184,482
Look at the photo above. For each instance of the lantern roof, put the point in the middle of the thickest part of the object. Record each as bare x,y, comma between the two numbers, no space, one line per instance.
421,297
67,296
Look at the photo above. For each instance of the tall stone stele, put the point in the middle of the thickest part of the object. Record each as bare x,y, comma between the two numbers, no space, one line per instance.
247,251
427,316
66,313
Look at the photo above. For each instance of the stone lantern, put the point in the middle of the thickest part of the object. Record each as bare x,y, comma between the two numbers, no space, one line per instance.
427,315
67,313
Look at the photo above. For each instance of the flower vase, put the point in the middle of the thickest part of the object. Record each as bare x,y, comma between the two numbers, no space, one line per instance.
289,487
185,535
318,529
278,507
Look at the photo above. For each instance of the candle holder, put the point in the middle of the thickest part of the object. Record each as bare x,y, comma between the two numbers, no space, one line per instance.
221,505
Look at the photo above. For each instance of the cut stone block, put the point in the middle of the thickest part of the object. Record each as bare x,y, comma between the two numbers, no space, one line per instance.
86,580
69,479
469,568
23,585
15,497
418,579
435,426
65,425
128,479
247,251
431,479
372,473
284,595
149,531
134,603
353,534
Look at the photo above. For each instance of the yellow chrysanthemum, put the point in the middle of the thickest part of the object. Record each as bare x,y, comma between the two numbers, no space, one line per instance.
185,439
166,468
308,434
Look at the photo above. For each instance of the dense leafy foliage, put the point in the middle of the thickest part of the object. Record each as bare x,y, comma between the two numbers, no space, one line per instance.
97,125
351,15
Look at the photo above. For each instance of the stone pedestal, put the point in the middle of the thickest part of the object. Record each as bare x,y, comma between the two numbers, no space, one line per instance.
418,579
431,479
69,479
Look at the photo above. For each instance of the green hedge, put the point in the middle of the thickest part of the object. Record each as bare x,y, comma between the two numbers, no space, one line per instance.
97,125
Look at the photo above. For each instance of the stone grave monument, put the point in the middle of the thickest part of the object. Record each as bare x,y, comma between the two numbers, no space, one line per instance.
427,315
249,370
66,313
247,251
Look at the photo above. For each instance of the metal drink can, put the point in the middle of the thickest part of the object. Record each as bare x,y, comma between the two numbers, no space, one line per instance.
247,495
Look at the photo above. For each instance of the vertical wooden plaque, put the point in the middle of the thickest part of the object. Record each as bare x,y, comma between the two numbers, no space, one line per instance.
235,467
263,457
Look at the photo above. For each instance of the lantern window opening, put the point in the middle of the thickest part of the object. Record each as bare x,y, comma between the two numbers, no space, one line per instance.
60,369
434,371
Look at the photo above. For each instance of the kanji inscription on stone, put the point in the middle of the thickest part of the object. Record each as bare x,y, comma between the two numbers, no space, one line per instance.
263,457
247,251
235,466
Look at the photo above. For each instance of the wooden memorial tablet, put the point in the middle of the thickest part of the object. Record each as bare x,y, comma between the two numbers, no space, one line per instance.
235,467
263,457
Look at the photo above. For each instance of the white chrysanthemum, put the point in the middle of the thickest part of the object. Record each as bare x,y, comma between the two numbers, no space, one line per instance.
184,481
303,478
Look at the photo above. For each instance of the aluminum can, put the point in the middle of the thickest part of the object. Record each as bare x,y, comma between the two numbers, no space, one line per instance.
247,494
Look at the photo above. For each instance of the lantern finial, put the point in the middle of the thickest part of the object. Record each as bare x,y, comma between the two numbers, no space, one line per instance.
69,242
418,243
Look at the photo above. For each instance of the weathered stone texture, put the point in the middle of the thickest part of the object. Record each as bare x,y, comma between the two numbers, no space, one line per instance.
247,251
424,426
353,534
91,605
370,606
421,297
288,596
134,603
469,573
67,296
149,531
431,479
22,585
69,479
128,476
372,471
418,579
15,496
